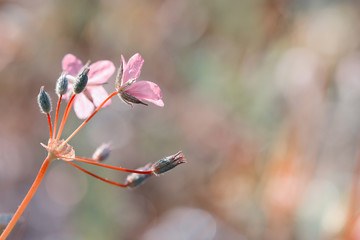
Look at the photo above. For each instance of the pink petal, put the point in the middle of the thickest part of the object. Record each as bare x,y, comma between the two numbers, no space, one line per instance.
99,94
71,64
83,107
100,71
148,91
132,69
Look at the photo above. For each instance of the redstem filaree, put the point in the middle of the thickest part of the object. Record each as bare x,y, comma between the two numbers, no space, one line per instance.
82,85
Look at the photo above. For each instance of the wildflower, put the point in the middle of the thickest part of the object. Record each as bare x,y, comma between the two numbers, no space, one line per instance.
94,93
87,91
131,91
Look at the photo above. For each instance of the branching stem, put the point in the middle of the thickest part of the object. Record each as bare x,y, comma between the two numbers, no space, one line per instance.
91,161
88,119
66,114
57,115
96,176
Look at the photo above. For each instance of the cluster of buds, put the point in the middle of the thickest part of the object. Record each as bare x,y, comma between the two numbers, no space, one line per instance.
82,86
124,85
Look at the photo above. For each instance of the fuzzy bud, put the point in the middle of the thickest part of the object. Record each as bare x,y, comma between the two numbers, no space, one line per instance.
44,101
102,152
81,81
62,84
135,179
168,163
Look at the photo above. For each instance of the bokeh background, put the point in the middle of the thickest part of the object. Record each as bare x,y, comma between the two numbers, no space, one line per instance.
262,96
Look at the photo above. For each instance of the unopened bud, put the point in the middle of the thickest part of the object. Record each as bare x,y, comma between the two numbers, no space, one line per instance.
62,84
44,101
135,179
81,81
168,163
102,152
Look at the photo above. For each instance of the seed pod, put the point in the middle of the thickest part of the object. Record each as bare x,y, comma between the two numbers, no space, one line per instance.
44,101
168,163
102,152
81,81
119,77
135,179
129,99
62,84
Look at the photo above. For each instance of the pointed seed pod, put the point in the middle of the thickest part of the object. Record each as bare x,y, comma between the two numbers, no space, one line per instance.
44,101
102,152
129,99
62,84
81,81
168,163
135,179
119,77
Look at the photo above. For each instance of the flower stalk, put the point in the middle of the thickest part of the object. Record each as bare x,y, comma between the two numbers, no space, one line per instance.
27,199
60,149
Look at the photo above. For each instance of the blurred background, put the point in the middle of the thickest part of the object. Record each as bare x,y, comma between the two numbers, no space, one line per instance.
262,96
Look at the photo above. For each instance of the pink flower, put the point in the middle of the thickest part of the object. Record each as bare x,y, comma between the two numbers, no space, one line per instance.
132,91
94,93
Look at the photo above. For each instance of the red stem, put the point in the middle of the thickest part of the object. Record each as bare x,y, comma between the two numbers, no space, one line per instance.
91,161
57,115
50,127
66,114
96,176
26,200
88,119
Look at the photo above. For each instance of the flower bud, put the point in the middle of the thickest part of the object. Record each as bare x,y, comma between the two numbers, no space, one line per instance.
62,84
81,81
102,152
44,101
135,179
168,163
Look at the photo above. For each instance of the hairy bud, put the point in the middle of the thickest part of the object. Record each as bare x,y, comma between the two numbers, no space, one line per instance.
135,179
44,101
81,81
62,84
102,152
168,163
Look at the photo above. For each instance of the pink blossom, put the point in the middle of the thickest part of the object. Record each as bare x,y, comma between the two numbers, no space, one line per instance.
94,93
132,91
